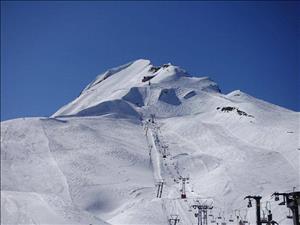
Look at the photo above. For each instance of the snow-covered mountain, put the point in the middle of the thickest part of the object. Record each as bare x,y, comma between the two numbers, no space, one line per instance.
98,159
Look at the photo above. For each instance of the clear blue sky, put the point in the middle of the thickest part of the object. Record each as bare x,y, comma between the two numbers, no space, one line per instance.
51,50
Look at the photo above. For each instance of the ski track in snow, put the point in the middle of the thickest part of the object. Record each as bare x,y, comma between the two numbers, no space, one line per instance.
155,158
56,164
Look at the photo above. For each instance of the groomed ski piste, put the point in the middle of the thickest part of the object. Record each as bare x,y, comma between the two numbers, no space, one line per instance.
102,158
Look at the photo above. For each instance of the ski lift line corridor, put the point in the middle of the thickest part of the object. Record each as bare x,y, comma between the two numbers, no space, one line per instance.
157,153
175,201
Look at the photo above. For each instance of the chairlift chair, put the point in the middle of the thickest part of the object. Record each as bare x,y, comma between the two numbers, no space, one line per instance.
245,217
249,203
289,216
237,213
282,203
264,219
213,219
268,206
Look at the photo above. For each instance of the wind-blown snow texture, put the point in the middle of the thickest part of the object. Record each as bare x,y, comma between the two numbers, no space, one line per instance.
97,159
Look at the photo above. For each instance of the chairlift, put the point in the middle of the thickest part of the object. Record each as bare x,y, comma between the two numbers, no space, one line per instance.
237,213
249,204
213,219
268,206
282,203
289,216
245,217
219,217
231,219
264,219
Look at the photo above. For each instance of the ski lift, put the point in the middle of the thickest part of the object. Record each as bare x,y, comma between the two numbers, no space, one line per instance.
264,219
289,216
219,217
224,219
268,206
231,219
249,204
213,219
282,203
237,213
245,221
210,213
245,217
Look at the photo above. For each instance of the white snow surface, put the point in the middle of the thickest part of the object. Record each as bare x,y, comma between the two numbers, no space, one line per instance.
98,159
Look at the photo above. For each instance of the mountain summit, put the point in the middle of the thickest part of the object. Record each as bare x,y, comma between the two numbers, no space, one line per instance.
129,86
140,138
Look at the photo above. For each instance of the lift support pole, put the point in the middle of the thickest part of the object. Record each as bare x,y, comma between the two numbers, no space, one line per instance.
292,201
257,200
160,186
183,192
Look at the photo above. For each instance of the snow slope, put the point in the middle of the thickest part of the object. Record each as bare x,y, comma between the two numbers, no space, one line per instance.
98,159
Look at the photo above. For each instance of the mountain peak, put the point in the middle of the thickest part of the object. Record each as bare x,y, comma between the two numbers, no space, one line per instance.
136,78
